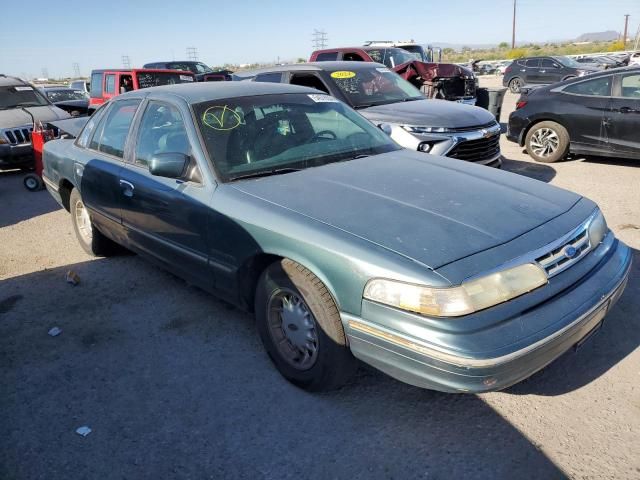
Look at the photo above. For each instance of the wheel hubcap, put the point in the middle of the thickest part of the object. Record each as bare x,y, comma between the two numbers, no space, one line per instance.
83,222
293,329
31,183
544,142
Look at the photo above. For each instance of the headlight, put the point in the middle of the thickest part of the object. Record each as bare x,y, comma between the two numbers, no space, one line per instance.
423,130
597,229
3,141
469,297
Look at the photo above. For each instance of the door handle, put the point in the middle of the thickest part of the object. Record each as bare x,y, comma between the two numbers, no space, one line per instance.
627,110
543,71
127,188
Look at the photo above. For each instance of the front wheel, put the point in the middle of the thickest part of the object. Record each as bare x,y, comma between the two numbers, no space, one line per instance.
547,142
33,182
515,84
300,327
90,238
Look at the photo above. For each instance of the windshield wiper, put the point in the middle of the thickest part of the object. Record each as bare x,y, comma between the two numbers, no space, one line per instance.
266,173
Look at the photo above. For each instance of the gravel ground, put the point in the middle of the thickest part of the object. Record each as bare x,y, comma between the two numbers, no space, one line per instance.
175,384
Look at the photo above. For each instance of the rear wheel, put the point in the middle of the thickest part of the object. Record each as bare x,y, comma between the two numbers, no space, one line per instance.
90,238
33,182
547,142
300,327
515,84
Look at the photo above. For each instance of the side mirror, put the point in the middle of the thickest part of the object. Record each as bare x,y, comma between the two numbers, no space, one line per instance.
170,165
386,128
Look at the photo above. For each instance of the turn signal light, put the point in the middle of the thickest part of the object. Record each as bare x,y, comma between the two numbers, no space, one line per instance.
520,104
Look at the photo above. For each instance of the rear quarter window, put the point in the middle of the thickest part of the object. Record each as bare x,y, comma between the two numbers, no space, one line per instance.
327,57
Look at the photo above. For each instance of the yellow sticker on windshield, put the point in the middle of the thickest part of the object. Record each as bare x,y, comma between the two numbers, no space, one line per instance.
343,74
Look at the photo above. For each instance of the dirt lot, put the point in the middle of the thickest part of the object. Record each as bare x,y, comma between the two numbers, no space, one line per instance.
175,384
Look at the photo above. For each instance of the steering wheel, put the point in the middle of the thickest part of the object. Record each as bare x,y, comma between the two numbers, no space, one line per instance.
319,135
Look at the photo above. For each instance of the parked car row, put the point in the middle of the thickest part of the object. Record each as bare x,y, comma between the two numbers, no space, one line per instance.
286,202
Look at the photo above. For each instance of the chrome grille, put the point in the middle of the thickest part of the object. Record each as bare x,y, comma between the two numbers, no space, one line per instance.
556,261
477,150
17,136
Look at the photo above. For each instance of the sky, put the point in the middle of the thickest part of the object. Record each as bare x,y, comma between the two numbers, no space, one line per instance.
55,35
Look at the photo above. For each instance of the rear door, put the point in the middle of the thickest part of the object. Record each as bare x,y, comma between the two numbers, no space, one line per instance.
99,178
584,112
532,71
166,218
624,115
110,88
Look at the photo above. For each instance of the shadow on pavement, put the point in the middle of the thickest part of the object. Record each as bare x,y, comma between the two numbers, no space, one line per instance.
12,193
175,384
538,171
618,337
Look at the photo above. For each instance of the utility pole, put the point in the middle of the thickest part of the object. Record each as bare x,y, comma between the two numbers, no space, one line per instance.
635,47
192,54
513,27
626,25
126,61
319,39
76,70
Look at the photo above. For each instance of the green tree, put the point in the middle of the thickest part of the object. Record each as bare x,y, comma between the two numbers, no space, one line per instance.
503,45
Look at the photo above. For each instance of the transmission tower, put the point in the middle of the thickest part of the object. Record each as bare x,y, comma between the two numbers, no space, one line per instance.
192,53
319,40
126,61
76,70
45,73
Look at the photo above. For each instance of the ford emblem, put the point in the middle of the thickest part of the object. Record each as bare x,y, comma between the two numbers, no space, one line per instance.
570,251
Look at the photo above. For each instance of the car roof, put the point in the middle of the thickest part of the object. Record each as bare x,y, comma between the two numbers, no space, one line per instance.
312,66
207,91
6,80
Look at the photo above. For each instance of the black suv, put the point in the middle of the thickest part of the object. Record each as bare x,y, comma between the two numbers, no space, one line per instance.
202,71
542,70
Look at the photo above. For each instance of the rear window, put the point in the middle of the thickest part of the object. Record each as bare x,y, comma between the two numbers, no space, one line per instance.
533,63
156,79
269,77
598,87
327,57
96,85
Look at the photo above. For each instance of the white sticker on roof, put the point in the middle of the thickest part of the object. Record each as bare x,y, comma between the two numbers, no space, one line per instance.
23,89
186,78
319,98
383,69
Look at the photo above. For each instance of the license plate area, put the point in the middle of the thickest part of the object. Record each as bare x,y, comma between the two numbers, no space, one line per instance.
598,317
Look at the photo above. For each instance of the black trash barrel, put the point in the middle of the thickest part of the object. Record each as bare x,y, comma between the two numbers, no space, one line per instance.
491,99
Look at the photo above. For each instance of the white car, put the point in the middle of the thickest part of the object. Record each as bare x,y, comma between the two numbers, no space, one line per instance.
634,59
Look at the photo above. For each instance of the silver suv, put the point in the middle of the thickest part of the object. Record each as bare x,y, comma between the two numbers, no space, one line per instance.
20,105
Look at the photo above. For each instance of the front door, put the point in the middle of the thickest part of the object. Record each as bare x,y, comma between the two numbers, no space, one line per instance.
624,115
550,71
166,218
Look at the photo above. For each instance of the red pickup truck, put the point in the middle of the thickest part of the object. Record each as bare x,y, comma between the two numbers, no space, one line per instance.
436,80
108,83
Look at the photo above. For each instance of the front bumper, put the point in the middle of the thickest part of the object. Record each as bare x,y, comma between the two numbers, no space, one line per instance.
425,362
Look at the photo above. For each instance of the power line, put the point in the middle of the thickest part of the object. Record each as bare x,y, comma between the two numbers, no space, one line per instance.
126,61
319,40
192,54
76,70
45,73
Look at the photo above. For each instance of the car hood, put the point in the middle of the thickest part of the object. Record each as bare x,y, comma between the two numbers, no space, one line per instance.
433,210
429,113
16,117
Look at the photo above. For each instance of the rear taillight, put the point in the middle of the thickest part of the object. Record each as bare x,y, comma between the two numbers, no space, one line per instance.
520,104
508,69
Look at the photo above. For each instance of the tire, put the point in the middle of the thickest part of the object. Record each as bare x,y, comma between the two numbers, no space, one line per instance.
315,327
90,238
547,142
33,182
515,84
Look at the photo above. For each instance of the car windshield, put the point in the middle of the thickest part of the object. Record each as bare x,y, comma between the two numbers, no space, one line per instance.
367,87
391,57
13,96
568,62
65,95
417,51
271,134
189,67
156,79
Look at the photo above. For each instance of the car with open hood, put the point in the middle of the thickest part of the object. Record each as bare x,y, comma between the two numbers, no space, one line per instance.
439,127
20,106
285,202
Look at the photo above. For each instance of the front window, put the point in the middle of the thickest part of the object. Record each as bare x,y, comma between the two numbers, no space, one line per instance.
391,57
631,86
418,52
270,134
156,79
16,96
367,87
65,95
568,62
